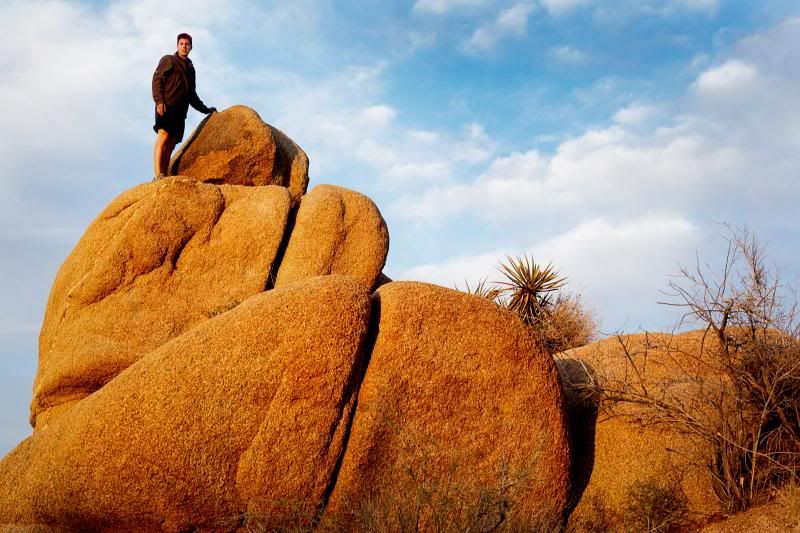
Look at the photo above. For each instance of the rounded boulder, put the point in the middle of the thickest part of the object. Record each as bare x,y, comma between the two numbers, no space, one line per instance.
236,147
160,259
243,417
460,419
336,231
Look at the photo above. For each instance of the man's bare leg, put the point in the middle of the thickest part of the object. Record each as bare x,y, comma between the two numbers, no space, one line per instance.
166,154
162,142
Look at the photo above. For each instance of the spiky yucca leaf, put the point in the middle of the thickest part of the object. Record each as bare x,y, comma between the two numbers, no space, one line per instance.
528,287
483,289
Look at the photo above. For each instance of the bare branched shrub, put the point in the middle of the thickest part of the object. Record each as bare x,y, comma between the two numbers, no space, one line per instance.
279,516
559,320
738,392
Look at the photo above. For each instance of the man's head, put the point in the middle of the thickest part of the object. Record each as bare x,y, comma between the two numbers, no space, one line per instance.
184,44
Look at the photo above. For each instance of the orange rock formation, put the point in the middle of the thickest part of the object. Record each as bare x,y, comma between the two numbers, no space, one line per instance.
238,148
209,339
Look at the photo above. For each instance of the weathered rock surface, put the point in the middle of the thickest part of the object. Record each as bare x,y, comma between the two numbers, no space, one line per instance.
337,231
456,402
236,147
624,452
779,516
246,412
160,259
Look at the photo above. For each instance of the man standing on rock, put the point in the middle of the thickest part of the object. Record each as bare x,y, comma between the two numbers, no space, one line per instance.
173,93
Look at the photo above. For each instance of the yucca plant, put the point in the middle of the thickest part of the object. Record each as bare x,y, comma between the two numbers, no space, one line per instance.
483,289
528,287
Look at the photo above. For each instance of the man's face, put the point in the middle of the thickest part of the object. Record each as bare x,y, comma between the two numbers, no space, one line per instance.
184,47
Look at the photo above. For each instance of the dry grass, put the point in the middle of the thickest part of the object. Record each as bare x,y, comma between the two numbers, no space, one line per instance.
594,517
567,324
417,497
789,498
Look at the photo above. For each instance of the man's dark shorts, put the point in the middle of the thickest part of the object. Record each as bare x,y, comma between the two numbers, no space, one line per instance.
172,121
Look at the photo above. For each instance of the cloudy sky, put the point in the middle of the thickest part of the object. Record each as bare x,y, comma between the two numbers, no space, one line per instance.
609,136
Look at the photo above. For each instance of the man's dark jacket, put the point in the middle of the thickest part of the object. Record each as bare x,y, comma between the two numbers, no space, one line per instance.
174,84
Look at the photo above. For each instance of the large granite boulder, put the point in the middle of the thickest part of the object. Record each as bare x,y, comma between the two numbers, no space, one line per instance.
209,339
236,147
337,231
244,415
618,452
460,418
160,259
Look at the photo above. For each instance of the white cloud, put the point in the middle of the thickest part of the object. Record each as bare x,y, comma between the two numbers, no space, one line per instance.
417,158
459,270
628,201
419,40
440,7
635,114
621,13
476,147
567,54
511,22
561,7
423,136
376,116
732,76
611,263
737,129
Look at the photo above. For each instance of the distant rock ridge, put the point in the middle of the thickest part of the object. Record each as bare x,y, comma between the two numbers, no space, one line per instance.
214,347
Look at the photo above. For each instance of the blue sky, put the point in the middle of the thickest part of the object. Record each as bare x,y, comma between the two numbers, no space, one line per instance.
607,136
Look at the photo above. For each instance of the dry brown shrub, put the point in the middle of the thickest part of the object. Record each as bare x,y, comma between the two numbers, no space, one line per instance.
567,324
739,392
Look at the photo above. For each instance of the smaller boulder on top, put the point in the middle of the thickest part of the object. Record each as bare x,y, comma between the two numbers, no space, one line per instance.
236,147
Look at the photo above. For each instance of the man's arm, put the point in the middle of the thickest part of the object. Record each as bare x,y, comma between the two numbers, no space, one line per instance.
194,100
158,80
198,104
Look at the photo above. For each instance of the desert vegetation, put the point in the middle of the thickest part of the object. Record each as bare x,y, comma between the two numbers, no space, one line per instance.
420,499
558,319
738,393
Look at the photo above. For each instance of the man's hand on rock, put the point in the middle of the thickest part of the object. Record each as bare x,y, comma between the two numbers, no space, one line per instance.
161,109
211,110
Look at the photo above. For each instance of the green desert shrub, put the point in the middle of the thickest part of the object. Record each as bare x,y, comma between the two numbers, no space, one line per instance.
654,507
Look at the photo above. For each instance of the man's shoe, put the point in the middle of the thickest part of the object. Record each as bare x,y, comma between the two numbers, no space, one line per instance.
159,177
